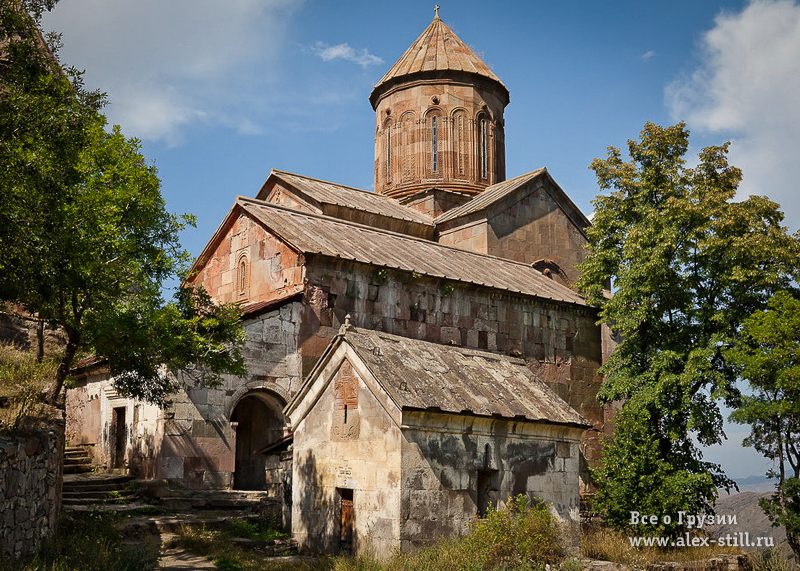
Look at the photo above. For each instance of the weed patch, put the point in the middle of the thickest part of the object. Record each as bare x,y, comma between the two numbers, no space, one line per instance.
608,544
87,542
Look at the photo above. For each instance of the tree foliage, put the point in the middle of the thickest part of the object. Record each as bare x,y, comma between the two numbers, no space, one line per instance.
686,264
769,356
86,241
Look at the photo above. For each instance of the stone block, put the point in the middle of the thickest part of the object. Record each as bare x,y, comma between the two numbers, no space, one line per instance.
171,468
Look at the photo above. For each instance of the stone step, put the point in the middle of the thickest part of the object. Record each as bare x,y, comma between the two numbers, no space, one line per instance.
213,500
97,495
73,502
75,460
80,453
172,523
110,487
84,481
78,469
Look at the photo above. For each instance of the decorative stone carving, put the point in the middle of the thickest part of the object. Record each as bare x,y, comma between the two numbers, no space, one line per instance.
346,421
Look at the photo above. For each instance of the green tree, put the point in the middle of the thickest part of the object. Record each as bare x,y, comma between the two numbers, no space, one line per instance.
86,242
769,356
686,265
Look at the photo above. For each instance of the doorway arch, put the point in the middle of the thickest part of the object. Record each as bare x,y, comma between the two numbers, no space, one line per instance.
259,421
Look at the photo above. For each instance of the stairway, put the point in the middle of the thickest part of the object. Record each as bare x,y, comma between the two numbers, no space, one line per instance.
83,491
76,460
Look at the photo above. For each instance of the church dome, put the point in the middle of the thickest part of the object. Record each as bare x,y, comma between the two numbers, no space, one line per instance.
437,52
438,120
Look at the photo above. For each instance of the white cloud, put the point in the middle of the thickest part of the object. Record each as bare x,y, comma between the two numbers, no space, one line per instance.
163,62
747,88
648,54
344,51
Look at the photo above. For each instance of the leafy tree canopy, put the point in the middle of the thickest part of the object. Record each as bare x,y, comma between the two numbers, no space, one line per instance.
768,354
687,265
86,241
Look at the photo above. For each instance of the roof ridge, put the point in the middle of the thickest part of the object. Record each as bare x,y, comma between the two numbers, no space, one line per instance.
410,214
468,351
328,182
466,207
400,235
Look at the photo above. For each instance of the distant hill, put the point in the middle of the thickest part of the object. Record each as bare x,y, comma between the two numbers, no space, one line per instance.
758,484
749,517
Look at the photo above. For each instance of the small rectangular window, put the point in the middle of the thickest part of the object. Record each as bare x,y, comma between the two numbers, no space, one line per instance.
389,154
484,150
434,145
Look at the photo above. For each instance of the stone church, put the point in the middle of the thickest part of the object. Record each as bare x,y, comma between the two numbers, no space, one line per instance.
414,354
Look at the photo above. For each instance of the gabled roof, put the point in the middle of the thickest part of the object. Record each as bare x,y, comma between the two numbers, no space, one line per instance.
323,193
419,375
437,49
497,192
323,235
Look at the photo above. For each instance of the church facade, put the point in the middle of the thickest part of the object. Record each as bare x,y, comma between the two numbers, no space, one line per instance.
414,353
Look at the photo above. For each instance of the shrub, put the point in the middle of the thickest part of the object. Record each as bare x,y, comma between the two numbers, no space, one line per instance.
522,536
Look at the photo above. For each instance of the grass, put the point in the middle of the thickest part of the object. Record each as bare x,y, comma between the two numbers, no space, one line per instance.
216,545
613,545
772,559
522,537
23,380
87,542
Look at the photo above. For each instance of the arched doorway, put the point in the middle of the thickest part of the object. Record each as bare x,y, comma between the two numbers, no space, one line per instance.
260,422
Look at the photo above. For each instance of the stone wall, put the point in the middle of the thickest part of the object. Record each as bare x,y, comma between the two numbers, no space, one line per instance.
561,342
469,125
536,222
248,265
355,449
454,466
31,472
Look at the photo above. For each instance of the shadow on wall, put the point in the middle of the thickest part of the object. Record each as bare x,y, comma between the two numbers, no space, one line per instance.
319,527
143,463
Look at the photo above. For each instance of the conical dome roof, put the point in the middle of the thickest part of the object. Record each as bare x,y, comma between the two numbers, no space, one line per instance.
436,50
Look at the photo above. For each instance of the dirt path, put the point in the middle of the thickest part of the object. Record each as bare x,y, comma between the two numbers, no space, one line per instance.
175,558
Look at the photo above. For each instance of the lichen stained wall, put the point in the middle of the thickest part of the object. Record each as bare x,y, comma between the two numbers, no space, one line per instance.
561,342
31,469
199,445
455,466
338,449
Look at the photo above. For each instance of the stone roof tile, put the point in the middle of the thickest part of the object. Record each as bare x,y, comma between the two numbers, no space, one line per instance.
327,236
438,49
423,375
326,192
489,196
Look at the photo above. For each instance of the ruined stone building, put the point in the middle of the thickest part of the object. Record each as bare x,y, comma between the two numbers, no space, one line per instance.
414,353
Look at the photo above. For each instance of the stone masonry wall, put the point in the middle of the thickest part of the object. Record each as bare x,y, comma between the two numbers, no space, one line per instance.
199,444
527,226
561,342
355,448
454,466
30,499
270,267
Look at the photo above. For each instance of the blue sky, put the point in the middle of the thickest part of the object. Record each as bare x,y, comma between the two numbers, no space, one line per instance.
221,91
